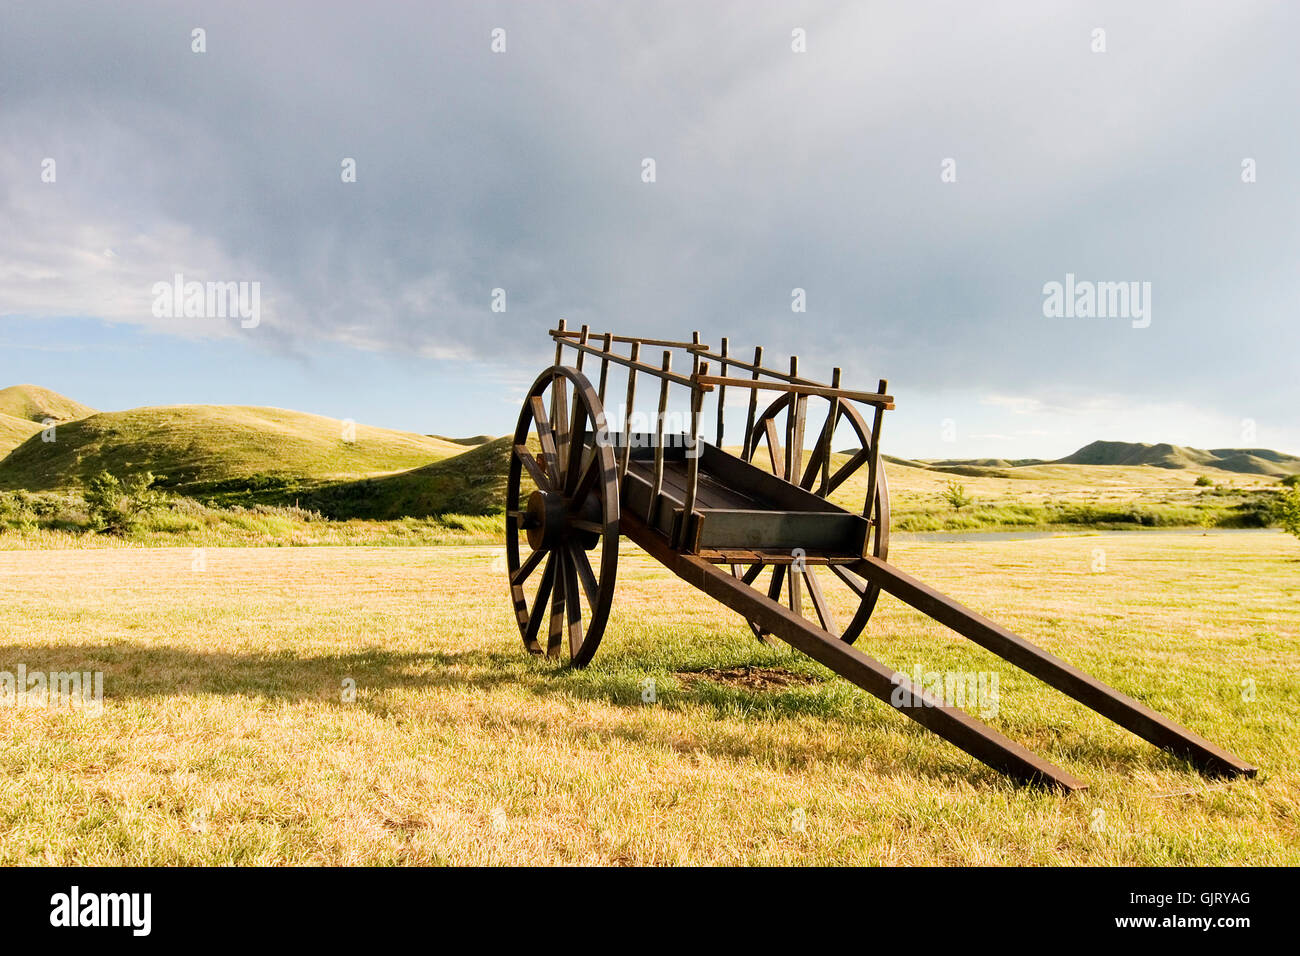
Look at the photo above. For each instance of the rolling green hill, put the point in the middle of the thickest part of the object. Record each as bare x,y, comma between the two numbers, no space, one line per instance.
471,483
1241,461
1251,461
204,449
472,442
14,431
35,404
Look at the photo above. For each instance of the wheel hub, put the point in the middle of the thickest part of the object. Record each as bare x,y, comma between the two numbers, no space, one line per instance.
546,520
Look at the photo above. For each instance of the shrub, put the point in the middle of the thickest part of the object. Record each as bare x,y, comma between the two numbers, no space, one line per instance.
17,511
1291,481
116,507
1288,510
955,495
1204,481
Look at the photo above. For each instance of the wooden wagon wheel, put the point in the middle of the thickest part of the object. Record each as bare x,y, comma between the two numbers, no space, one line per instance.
570,513
788,585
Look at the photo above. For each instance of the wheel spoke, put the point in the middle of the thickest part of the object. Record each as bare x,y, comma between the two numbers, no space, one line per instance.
848,468
590,586
577,438
545,437
560,421
774,586
858,586
774,449
821,451
527,568
572,606
586,482
556,629
540,478
539,605
583,525
796,591
819,603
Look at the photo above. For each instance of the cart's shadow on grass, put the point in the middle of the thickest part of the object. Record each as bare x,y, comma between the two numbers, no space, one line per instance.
739,719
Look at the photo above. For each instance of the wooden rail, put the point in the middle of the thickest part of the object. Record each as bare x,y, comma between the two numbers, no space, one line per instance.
954,725
787,451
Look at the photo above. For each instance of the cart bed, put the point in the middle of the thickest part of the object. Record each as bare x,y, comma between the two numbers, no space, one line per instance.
742,513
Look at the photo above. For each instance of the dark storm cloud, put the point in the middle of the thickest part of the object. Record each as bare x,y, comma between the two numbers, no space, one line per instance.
775,170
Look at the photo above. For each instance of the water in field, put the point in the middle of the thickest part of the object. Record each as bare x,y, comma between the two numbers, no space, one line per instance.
971,536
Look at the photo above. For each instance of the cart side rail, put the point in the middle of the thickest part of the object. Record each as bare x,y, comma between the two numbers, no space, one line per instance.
699,382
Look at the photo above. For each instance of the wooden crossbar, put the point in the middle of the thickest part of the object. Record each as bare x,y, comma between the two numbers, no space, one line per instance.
954,725
1084,688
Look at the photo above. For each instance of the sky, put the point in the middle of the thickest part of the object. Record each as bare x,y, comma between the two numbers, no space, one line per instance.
921,171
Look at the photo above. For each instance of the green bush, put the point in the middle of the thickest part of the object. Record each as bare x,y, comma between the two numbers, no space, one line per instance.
18,511
116,507
1288,510
1204,481
955,495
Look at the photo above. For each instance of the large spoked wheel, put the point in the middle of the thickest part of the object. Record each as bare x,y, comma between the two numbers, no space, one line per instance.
562,493
824,585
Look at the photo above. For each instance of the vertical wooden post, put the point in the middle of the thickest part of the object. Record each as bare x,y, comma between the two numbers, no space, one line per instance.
722,391
693,459
695,365
828,436
793,432
559,397
627,414
873,460
582,340
659,442
748,448
604,365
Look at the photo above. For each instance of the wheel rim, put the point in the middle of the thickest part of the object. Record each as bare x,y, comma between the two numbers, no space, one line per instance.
562,579
788,585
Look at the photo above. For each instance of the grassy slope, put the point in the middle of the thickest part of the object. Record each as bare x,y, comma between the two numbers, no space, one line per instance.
14,431
1255,461
202,446
37,404
225,737
471,483
470,442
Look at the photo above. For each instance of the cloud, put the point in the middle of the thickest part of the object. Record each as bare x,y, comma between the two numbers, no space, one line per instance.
776,170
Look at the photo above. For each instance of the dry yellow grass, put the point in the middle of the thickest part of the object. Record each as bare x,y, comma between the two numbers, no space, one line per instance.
225,738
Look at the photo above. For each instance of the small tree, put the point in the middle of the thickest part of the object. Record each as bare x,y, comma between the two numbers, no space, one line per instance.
1288,511
955,495
116,507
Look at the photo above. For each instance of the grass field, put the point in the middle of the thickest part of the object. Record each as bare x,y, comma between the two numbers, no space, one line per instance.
225,737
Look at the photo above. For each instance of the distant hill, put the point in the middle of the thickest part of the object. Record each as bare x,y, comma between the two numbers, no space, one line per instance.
471,483
14,431
1242,461
211,448
469,442
1249,461
36,404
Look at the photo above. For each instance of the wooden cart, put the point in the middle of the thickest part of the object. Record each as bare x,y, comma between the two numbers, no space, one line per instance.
754,530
